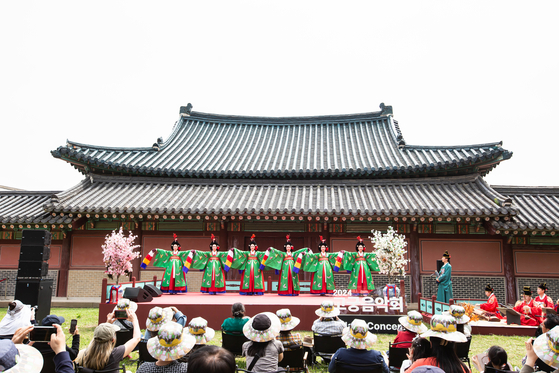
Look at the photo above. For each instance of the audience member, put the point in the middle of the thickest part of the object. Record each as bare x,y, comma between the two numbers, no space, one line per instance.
212,359
545,348
47,351
289,340
157,316
261,330
237,321
18,315
328,322
462,320
495,357
420,349
443,336
171,343
198,328
358,340
427,369
413,324
550,322
123,305
19,358
62,361
101,354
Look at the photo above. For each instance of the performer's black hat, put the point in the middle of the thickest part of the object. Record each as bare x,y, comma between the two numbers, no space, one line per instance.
543,286
287,242
322,243
214,242
527,290
359,243
253,242
175,242
446,255
489,288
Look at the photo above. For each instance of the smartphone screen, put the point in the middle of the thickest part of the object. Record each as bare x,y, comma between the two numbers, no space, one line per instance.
41,333
73,324
121,314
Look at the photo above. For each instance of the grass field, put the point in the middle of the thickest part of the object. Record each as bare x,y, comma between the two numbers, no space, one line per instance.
87,321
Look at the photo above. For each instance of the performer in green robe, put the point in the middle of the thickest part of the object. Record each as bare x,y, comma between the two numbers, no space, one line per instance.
444,293
211,262
284,262
248,263
360,264
320,264
174,279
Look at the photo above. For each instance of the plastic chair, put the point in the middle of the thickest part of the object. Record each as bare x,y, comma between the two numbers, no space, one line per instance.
396,356
233,342
463,350
143,354
326,345
295,359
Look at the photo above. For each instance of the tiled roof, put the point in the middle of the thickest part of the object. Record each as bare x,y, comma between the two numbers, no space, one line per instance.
204,145
538,208
451,196
28,208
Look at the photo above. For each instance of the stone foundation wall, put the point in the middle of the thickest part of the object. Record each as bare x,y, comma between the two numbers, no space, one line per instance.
467,287
85,283
8,287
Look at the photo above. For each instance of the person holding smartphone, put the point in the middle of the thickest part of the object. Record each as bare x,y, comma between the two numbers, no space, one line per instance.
47,351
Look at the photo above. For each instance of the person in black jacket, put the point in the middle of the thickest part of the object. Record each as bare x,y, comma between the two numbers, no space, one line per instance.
46,350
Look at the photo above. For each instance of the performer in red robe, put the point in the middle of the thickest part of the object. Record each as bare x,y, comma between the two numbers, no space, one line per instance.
492,304
531,314
543,300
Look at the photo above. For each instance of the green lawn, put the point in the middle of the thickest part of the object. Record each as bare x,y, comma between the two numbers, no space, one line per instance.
87,320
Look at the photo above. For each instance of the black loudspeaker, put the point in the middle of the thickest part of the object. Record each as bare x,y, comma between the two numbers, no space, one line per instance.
34,253
137,295
35,292
32,269
439,265
154,291
35,238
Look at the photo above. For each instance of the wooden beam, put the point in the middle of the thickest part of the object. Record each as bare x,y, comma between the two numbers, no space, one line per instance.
508,268
62,286
415,276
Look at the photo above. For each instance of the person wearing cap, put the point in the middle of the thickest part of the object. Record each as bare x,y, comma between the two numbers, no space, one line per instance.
360,264
289,339
158,316
16,357
198,328
17,316
283,263
543,300
443,336
358,340
212,262
262,330
212,359
238,320
124,304
248,264
492,303
544,348
531,314
328,322
321,264
413,324
174,279
47,351
171,343
444,292
101,354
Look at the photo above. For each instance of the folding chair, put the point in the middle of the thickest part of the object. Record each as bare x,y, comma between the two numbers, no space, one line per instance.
143,354
463,350
396,356
123,336
326,345
343,367
233,342
295,359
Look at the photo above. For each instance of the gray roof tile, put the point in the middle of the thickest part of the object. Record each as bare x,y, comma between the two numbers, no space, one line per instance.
28,208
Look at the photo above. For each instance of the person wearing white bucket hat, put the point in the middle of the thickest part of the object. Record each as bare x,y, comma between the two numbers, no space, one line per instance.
262,331
199,329
443,335
358,340
328,322
413,324
288,323
546,348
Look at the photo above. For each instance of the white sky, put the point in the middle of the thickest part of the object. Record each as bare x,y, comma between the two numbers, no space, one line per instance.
115,73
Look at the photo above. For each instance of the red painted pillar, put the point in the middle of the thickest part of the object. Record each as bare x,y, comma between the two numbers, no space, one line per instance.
63,271
508,268
415,276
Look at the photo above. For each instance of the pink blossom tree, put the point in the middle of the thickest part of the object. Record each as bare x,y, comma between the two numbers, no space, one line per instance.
118,253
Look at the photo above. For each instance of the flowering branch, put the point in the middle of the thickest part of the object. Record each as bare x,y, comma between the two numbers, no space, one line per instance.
118,253
390,253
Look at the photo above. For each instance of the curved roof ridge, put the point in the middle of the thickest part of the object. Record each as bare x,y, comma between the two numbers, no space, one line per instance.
489,144
113,148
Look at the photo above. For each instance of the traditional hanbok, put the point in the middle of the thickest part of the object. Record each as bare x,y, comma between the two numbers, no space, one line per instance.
322,274
284,263
491,306
533,317
212,263
444,293
360,265
248,262
174,279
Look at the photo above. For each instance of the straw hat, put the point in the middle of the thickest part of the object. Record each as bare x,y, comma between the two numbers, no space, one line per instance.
327,309
546,347
357,335
171,343
126,304
198,328
157,317
459,313
262,327
444,326
19,358
288,322
413,322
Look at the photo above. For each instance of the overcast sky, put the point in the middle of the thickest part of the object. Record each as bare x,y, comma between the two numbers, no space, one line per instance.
115,73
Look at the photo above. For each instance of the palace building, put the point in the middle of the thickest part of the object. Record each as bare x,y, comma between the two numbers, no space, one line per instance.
335,176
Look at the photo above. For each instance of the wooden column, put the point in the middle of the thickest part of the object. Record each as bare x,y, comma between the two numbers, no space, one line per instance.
62,288
508,267
415,276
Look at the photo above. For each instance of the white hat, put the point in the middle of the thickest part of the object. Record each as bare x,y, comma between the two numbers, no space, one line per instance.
357,335
124,304
198,327
459,314
288,322
546,347
171,343
444,326
327,309
413,322
262,327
